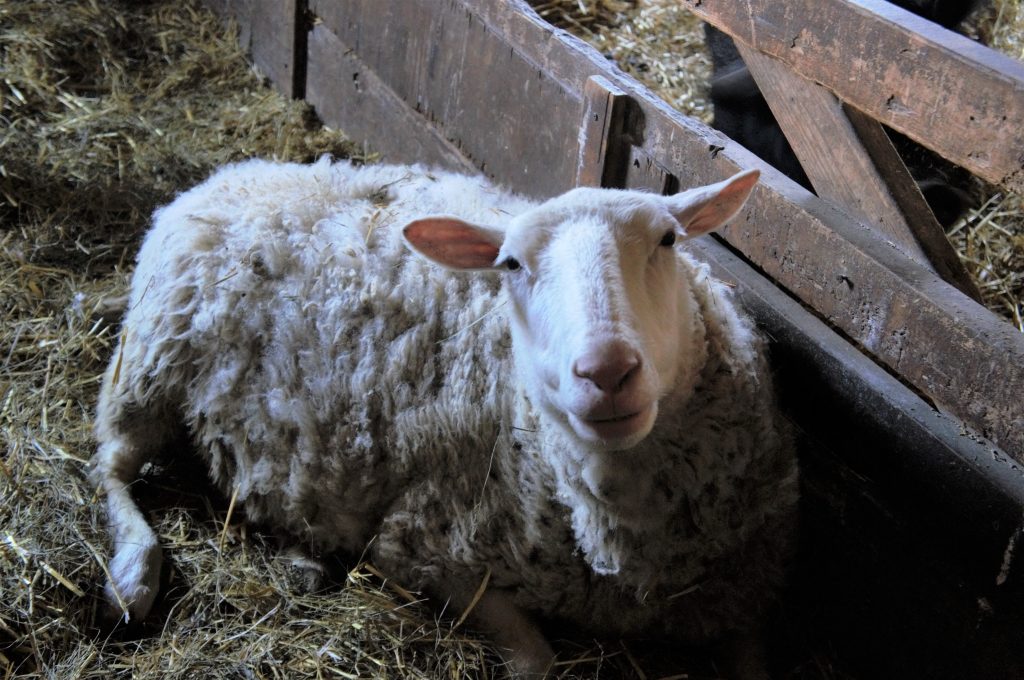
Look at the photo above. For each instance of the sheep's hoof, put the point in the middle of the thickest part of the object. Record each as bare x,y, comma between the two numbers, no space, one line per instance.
135,581
534,666
311,573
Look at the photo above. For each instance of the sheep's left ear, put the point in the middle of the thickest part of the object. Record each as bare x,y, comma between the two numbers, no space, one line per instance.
704,209
454,243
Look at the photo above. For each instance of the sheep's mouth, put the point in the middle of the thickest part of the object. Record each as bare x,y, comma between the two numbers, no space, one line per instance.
612,419
618,431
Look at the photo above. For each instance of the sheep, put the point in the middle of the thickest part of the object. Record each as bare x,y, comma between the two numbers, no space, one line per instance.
471,387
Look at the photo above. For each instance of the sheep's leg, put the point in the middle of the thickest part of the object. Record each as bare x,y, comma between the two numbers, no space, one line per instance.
312,570
135,566
516,636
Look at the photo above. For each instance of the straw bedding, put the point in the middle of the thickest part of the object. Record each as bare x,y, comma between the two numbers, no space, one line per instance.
106,110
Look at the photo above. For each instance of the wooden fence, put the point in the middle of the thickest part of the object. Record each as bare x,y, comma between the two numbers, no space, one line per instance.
907,392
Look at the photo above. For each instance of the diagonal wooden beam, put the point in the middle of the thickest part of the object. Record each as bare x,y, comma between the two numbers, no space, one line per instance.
852,164
947,92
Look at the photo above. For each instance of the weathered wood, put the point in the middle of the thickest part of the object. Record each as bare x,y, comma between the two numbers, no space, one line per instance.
843,170
601,142
907,519
520,71
273,32
349,95
920,219
948,93
497,108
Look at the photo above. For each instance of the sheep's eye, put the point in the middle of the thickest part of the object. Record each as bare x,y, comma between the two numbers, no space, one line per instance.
512,264
669,239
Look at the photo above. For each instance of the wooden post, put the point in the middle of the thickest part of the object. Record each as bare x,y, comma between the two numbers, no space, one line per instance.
273,33
945,91
601,135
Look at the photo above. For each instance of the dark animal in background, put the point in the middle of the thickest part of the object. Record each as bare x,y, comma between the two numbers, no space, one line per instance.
741,112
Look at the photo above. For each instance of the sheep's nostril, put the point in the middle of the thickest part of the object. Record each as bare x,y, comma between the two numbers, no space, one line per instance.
608,367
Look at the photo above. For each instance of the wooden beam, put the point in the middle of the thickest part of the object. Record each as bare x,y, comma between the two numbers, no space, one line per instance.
273,33
946,92
843,170
348,95
865,400
601,142
506,89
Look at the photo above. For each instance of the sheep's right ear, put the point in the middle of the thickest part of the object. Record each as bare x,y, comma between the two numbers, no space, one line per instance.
454,243
706,209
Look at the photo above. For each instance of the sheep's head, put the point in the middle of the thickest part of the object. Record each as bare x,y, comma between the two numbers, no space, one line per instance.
599,300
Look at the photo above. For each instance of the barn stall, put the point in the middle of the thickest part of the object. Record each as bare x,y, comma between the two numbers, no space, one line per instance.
912,496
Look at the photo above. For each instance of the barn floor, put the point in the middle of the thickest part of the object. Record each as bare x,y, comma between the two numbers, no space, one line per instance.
108,110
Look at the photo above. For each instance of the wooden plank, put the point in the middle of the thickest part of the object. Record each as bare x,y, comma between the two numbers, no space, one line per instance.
920,219
907,521
963,357
601,143
480,93
948,93
934,449
273,33
843,171
348,95
960,355
278,44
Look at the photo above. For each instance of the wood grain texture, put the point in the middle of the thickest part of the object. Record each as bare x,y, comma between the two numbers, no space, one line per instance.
509,117
948,93
463,68
843,170
273,33
601,140
348,95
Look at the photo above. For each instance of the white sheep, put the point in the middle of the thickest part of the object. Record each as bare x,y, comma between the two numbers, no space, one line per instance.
584,419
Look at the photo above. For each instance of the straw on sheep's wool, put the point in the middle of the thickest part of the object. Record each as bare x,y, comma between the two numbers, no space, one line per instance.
107,110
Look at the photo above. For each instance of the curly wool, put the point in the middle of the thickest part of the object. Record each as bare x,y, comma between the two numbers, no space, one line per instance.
348,391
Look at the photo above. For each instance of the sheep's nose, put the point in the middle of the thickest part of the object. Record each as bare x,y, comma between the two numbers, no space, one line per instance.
608,366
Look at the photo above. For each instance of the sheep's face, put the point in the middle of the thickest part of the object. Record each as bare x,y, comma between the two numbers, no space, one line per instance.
599,301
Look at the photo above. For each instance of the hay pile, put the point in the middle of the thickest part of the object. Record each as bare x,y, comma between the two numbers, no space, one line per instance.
662,45
107,110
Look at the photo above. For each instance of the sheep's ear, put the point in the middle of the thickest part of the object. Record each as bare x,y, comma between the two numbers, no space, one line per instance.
453,243
705,209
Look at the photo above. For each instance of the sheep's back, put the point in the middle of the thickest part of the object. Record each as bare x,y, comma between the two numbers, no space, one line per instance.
318,364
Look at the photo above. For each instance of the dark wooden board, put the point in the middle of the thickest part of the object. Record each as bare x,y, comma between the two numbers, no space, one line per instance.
950,94
273,33
496,107
348,95
603,137
907,519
